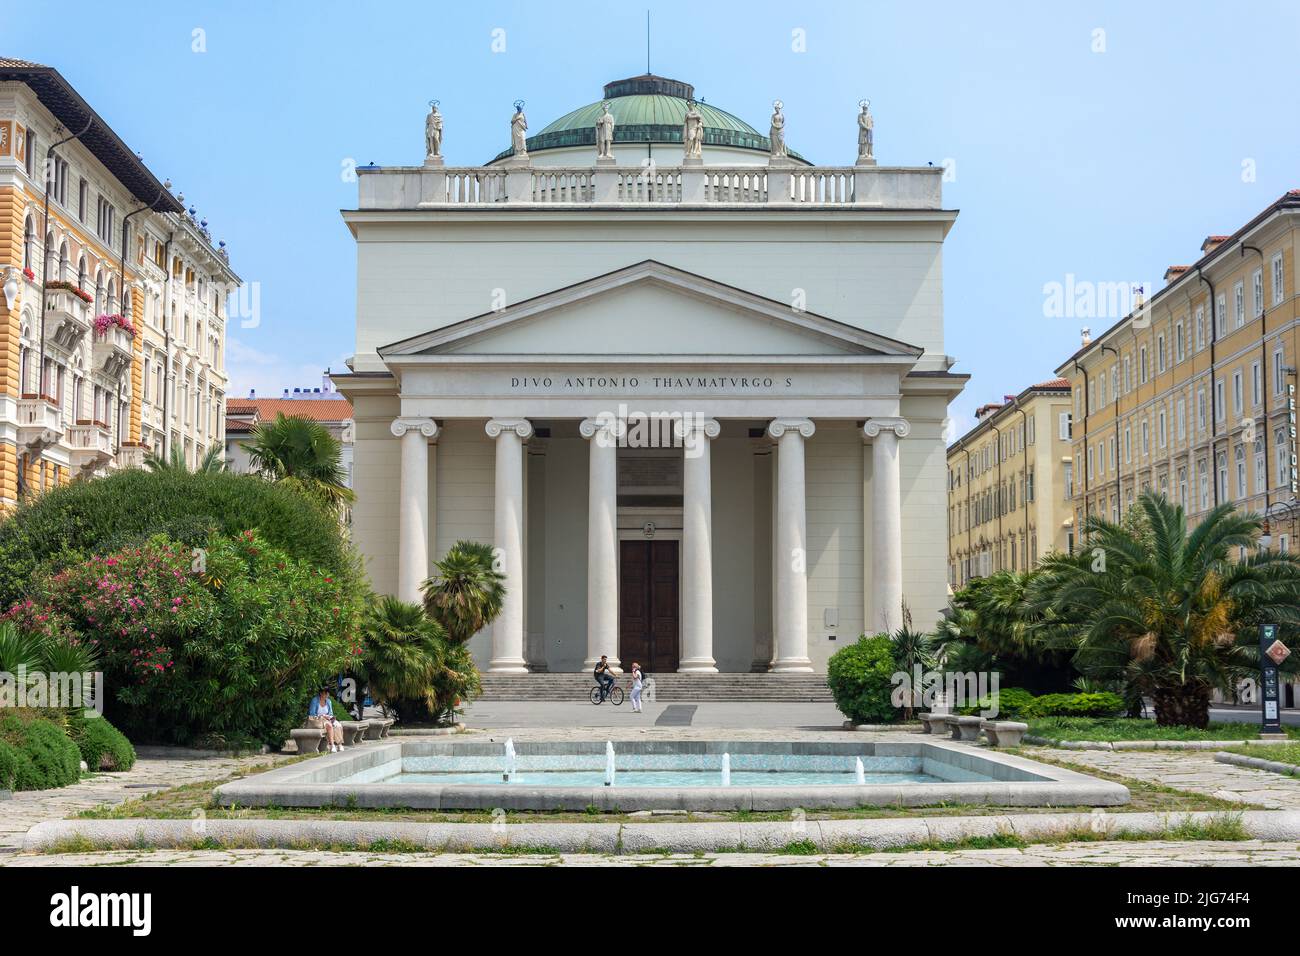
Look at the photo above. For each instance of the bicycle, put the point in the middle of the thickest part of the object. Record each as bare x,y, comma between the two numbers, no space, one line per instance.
615,695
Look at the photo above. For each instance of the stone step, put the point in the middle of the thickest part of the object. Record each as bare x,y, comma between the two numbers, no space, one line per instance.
668,687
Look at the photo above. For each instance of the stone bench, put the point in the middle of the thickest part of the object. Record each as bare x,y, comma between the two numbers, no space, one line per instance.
934,723
1003,733
354,731
377,728
309,740
963,728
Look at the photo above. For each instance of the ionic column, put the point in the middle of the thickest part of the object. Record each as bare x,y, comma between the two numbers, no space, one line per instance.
508,630
791,554
886,522
602,538
697,545
413,505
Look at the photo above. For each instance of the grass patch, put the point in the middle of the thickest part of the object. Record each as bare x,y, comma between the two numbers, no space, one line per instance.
1282,753
1128,728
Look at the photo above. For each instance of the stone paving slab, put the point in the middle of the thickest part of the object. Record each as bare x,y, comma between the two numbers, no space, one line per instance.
1194,771
156,768
1117,853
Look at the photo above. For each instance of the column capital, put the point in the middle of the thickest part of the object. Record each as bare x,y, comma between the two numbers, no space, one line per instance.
520,426
779,426
427,427
691,426
901,427
605,428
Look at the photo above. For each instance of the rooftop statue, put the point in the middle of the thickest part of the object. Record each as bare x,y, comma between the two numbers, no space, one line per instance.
519,130
692,133
776,135
433,132
604,133
866,148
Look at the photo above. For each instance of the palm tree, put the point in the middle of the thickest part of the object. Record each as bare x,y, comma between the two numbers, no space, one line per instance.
1166,611
403,654
300,452
213,460
466,593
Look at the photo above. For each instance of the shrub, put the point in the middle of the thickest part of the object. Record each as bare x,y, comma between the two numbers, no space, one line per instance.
859,679
102,745
1013,703
227,648
46,757
9,761
67,524
1077,705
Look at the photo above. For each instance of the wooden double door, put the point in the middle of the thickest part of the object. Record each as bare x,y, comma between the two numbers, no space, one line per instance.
648,622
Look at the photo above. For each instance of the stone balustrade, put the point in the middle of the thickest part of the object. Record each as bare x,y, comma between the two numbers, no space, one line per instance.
784,185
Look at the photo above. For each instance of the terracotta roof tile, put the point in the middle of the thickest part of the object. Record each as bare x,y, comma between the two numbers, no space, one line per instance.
320,409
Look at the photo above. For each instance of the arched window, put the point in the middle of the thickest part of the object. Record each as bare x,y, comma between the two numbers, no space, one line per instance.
1241,471
99,293
126,303
112,296
63,261
29,244
49,255
81,273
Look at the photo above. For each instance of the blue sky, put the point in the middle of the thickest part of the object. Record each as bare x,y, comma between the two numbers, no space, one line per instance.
1103,155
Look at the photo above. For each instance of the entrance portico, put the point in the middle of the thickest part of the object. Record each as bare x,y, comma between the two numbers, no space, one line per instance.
649,424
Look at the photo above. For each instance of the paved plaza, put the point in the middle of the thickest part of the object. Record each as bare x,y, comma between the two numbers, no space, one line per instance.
1155,853
162,768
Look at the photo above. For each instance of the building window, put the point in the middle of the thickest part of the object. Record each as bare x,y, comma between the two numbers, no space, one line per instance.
1278,363
1203,479
1238,398
1239,305
1261,472
1257,293
1142,365
1283,457
1128,445
1180,343
29,154
1069,479
1200,327
1182,488
1218,401
1220,316
1162,434
1146,438
83,193
1240,457
1066,426
1256,386
1222,487
1160,353
1200,408
1277,279
1182,419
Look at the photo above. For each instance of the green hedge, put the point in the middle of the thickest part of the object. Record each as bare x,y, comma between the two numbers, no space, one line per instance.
1078,705
42,756
70,523
102,745
859,678
1013,703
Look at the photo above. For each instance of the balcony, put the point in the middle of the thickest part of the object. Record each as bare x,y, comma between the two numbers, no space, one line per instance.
131,456
113,351
68,317
90,446
40,424
777,184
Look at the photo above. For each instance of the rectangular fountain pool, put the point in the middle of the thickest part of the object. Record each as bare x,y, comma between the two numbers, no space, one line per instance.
690,775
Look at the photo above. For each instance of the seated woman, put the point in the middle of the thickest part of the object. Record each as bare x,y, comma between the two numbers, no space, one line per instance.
321,716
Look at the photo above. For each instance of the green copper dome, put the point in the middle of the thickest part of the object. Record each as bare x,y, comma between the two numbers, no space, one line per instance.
647,109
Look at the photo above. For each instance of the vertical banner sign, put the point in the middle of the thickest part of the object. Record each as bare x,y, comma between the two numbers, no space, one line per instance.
1272,652
1295,478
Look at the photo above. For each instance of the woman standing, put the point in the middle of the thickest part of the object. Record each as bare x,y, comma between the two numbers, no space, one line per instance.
636,687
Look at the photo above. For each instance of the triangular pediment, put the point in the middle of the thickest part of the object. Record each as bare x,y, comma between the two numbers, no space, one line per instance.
650,309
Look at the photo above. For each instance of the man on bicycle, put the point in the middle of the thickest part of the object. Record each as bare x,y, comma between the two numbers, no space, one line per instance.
604,676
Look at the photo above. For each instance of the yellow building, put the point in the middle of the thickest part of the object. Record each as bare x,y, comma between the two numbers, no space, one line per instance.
1193,393
112,323
1009,485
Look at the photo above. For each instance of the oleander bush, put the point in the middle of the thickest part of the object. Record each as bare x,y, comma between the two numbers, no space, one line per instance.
225,644
67,525
859,676
36,754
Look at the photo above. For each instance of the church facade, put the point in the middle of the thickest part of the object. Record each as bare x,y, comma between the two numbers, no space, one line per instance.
691,387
